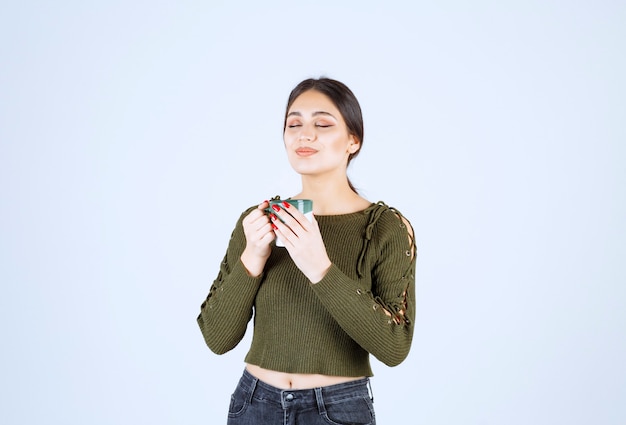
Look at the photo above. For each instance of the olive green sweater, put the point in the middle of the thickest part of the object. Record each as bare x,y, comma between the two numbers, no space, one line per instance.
365,303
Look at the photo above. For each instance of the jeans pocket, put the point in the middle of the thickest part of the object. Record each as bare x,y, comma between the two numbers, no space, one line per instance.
353,411
238,403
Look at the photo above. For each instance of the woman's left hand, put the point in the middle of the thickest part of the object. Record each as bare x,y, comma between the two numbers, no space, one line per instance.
303,241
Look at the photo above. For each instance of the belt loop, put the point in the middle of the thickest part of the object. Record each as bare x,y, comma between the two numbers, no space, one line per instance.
369,387
252,388
320,401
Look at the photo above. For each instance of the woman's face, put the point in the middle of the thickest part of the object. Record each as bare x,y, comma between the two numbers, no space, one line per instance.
316,137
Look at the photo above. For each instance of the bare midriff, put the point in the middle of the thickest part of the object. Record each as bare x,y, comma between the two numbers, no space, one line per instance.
296,381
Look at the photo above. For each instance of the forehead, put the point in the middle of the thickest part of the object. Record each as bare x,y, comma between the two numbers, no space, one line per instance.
313,101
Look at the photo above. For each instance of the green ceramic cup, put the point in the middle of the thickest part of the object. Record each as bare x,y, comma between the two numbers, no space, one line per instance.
305,206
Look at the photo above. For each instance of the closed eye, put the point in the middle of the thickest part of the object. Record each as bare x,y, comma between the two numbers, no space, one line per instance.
293,123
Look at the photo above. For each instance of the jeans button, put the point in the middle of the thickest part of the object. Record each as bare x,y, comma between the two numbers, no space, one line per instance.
289,397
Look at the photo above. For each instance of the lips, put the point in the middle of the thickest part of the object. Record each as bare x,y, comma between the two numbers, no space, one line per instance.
306,151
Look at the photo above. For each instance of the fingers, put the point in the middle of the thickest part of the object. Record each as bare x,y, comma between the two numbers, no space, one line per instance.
283,233
291,225
303,241
284,221
291,217
257,217
257,226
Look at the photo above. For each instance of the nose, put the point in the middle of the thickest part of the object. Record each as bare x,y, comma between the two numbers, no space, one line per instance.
306,134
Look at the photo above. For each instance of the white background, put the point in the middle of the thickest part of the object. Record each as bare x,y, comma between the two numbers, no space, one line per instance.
133,133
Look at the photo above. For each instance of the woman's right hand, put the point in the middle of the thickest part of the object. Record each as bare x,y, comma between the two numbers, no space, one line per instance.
259,235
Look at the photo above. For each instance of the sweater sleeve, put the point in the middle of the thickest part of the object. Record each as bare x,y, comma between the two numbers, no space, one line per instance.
225,313
381,319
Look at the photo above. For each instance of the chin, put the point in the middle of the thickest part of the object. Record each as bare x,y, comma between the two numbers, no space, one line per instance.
307,166
304,171
299,167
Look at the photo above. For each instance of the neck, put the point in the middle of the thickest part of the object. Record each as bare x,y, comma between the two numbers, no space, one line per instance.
330,196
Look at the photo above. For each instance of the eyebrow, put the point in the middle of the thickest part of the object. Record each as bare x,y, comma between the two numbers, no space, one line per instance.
316,113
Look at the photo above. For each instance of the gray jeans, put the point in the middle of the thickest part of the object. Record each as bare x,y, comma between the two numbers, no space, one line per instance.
256,403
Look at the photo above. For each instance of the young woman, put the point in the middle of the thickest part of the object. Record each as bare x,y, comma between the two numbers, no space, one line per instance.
343,287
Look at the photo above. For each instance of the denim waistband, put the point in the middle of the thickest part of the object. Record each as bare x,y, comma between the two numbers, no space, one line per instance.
303,398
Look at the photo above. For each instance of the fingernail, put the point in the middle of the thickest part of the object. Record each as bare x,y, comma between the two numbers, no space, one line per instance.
275,207
274,226
272,216
286,204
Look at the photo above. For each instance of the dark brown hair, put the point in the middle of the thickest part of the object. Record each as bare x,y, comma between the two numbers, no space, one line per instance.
345,101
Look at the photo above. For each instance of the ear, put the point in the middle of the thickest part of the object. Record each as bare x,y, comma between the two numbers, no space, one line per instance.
354,145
